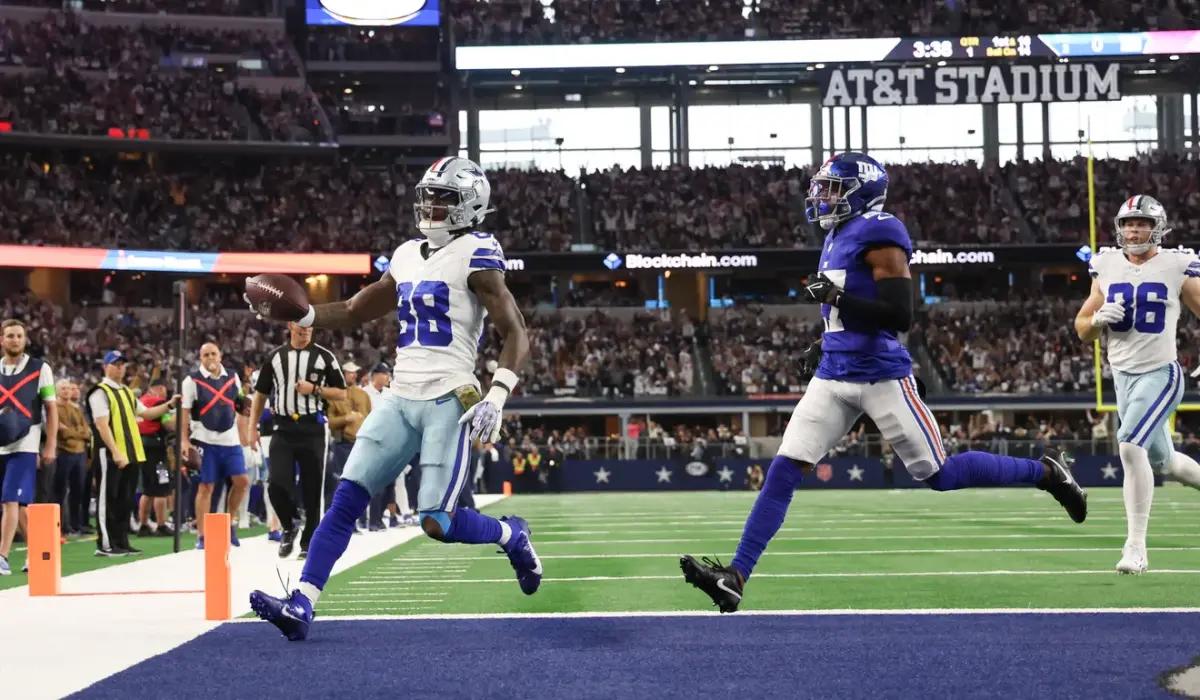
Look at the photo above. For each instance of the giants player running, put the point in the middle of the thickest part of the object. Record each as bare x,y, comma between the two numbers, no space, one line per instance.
441,288
866,296
1135,295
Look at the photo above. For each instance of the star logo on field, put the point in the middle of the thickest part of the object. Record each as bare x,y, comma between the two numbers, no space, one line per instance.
664,475
1110,472
726,474
856,473
602,475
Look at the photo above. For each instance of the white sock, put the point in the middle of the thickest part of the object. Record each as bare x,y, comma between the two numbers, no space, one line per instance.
1138,489
310,591
505,533
1185,469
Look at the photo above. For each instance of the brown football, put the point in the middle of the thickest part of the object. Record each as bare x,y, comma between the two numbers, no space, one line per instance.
277,297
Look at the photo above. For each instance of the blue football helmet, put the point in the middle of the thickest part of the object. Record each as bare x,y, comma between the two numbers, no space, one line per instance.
847,185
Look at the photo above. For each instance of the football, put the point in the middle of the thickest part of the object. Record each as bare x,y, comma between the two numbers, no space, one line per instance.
277,297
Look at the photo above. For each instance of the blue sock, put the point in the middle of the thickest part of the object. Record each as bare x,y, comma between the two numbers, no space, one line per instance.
333,533
766,517
968,469
472,527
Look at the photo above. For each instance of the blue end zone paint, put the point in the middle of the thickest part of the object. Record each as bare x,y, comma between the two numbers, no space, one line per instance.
845,656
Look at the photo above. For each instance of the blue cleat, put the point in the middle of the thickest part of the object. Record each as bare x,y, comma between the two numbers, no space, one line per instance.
233,540
292,615
275,535
521,555
200,542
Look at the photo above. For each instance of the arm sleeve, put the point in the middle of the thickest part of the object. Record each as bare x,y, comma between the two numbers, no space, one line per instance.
98,405
266,377
892,311
46,390
189,392
333,374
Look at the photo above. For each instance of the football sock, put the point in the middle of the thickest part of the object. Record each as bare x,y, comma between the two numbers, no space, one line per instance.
968,469
472,527
1185,469
1138,489
332,536
766,517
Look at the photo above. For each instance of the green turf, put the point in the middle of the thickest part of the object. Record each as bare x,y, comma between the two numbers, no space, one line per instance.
838,549
78,554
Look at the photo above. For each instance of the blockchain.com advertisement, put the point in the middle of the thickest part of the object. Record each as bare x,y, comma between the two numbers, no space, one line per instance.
373,13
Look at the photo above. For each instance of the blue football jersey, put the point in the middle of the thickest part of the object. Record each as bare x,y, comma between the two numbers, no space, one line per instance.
857,351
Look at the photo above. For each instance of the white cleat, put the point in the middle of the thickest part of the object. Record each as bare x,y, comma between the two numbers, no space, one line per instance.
1133,561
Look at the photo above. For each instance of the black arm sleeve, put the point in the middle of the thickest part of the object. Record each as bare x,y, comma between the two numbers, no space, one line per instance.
892,311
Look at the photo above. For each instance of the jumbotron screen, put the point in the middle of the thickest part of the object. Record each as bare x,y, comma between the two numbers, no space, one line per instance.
373,13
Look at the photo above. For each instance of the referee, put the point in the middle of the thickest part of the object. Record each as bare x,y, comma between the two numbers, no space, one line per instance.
298,378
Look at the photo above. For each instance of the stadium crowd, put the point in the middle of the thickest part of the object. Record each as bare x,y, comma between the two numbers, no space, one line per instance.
213,207
758,353
64,39
595,21
248,8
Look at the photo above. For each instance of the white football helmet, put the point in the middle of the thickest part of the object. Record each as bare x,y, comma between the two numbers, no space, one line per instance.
1141,206
453,194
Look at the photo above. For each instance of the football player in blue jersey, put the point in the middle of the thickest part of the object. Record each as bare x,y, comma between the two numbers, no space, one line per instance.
866,295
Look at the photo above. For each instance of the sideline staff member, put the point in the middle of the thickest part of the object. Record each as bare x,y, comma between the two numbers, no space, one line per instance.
298,378
119,453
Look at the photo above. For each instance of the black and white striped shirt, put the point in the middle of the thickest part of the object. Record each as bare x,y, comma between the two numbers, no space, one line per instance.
286,366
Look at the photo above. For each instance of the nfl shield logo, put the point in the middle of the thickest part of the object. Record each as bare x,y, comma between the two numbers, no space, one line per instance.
825,471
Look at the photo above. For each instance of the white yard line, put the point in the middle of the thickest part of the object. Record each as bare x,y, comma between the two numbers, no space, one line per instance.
129,629
732,535
774,554
848,574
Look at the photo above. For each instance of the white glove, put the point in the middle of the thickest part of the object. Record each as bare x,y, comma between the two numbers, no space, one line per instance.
486,417
1111,312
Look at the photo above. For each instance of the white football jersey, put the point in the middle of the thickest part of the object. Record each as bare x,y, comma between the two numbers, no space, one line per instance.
1144,340
440,319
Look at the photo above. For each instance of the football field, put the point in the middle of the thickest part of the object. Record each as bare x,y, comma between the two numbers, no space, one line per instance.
997,548
869,594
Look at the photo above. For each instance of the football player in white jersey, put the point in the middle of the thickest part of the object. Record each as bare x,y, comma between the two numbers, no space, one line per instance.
1136,294
441,287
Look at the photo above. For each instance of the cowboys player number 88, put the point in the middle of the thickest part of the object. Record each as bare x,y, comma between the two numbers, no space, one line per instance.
441,288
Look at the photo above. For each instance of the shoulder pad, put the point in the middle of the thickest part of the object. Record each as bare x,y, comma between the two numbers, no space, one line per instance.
877,227
486,253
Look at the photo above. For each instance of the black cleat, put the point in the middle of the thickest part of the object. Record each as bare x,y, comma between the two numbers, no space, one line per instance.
1060,484
287,543
721,583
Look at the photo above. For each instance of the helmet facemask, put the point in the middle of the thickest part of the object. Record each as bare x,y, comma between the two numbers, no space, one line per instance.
828,200
441,210
1148,209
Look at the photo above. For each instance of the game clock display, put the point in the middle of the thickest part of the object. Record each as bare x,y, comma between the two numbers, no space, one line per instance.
970,47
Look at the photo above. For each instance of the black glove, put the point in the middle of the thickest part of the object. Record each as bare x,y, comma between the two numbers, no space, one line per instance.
809,360
821,291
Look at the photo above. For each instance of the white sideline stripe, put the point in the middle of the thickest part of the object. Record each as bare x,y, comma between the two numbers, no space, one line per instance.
926,612
655,555
130,629
805,525
538,542
852,574
1039,518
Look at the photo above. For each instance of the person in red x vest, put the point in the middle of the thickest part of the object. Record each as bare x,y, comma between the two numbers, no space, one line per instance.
26,388
210,423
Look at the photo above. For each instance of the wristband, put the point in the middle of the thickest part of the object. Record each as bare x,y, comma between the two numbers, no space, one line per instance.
506,379
307,319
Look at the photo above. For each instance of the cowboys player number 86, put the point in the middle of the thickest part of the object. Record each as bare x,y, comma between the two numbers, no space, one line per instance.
441,287
1136,293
